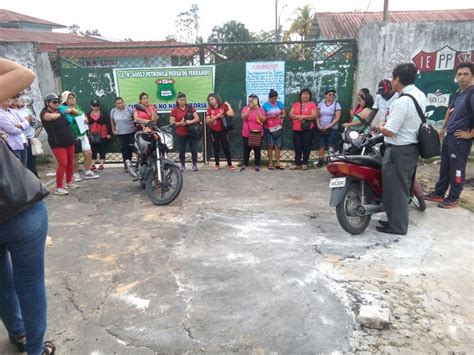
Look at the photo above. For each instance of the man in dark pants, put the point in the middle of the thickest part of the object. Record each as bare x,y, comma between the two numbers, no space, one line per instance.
400,158
457,144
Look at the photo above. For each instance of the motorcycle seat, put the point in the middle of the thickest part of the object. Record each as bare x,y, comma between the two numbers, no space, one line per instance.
373,162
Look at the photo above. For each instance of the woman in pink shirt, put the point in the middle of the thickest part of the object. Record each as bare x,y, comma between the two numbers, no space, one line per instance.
149,115
303,114
253,117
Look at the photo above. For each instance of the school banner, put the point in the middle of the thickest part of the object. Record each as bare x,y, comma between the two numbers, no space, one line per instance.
262,76
164,83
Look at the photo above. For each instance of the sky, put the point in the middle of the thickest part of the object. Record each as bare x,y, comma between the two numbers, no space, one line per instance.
153,20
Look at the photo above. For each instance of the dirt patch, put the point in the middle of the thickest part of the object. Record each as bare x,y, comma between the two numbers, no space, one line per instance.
428,174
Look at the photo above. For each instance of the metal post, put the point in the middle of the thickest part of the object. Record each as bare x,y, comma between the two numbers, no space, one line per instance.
276,19
385,11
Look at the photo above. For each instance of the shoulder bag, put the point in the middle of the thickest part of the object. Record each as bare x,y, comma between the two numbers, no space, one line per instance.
19,188
305,124
195,129
429,143
255,137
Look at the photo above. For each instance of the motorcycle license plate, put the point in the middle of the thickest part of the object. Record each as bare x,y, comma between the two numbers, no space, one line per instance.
337,182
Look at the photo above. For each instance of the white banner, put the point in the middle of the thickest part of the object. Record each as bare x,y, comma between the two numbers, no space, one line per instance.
260,77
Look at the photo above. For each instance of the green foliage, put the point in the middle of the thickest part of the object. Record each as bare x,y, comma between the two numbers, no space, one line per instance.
302,22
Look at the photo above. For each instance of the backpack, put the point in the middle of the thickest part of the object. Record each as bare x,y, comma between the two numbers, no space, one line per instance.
429,143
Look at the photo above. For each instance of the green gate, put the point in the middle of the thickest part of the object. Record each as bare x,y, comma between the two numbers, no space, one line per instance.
88,71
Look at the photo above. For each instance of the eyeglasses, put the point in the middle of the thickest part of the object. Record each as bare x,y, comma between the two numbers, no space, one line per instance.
95,105
56,102
330,94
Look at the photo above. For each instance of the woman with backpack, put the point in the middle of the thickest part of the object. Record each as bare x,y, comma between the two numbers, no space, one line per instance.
216,113
121,120
184,115
100,132
303,115
327,121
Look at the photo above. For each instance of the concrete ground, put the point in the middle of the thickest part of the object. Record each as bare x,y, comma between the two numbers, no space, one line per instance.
249,263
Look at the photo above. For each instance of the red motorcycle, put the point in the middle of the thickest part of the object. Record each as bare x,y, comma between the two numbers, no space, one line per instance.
356,189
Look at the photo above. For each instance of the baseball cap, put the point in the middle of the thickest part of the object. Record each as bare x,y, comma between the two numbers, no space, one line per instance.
384,86
65,95
330,89
95,102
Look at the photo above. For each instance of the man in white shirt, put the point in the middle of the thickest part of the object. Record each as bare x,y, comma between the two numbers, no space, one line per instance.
400,158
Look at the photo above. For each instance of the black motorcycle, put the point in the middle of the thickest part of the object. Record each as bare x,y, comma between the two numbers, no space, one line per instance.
160,176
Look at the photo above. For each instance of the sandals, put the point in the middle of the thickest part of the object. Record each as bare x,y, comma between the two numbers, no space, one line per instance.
18,341
48,348
280,167
270,167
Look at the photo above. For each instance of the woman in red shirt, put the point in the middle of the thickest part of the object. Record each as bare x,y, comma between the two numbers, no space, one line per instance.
149,115
183,115
219,135
303,114
99,133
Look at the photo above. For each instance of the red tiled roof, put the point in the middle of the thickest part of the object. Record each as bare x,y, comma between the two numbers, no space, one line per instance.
7,16
129,49
15,35
345,25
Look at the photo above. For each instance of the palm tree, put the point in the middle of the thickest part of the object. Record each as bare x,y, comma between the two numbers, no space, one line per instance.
302,22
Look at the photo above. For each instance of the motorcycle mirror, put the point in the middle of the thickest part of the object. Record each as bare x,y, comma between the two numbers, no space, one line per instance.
353,135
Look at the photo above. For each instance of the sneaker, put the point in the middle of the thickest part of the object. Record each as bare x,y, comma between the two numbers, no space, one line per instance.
448,204
231,167
183,168
244,168
101,167
71,185
433,196
320,163
77,177
89,175
195,168
61,192
257,168
93,167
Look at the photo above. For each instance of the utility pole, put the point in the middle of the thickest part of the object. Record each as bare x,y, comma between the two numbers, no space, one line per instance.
276,19
385,11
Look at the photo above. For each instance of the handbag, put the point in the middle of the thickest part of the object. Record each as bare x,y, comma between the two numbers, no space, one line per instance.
305,124
36,146
95,138
255,137
429,143
276,131
195,129
227,123
19,187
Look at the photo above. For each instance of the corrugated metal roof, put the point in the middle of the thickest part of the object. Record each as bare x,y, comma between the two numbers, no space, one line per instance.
7,16
15,35
345,25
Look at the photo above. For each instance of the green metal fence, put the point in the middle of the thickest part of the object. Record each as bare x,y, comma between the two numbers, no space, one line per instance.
88,71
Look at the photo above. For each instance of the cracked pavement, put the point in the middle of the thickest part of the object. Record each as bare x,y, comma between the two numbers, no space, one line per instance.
247,262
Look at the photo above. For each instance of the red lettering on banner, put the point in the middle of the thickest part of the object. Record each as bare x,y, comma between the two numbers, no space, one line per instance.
425,61
464,57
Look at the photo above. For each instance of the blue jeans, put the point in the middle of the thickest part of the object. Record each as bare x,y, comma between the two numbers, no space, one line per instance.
328,140
22,288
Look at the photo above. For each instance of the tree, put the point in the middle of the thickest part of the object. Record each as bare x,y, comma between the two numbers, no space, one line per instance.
302,22
187,24
91,33
231,31
76,30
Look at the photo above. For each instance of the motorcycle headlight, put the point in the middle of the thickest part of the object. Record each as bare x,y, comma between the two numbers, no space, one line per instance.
166,139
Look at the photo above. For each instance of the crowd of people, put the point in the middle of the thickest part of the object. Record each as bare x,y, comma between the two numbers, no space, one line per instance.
24,220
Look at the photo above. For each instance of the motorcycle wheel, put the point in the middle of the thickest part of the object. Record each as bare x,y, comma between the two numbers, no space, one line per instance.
418,202
346,215
165,192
